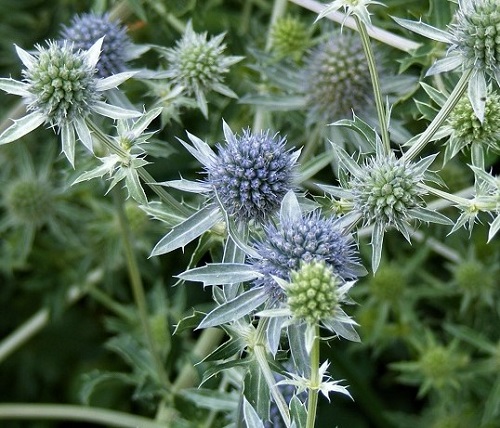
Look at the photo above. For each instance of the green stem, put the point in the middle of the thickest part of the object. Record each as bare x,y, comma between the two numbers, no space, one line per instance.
68,412
377,93
259,349
315,382
279,8
173,204
110,304
40,319
206,343
442,115
138,289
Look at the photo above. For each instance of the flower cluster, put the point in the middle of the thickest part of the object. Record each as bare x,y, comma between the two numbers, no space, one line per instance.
199,66
312,292
87,28
251,174
307,239
290,37
337,78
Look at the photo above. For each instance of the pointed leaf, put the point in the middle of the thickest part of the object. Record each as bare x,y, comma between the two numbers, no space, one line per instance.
290,208
114,80
27,59
449,63
236,308
14,87
429,216
346,161
188,230
377,242
187,185
68,142
250,415
134,187
298,412
494,228
114,112
94,52
212,400
220,273
361,127
141,124
22,127
83,133
425,30
477,93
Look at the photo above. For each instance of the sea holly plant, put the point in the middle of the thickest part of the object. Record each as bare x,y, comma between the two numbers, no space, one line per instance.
254,308
61,89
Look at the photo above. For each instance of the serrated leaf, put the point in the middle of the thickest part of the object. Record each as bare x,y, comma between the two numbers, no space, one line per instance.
346,161
134,187
425,30
114,80
114,112
494,228
188,323
298,412
22,127
235,309
159,211
377,242
221,273
185,232
14,87
257,391
360,127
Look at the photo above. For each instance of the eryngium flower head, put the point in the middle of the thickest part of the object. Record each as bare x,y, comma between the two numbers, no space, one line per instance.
307,239
466,130
252,174
312,292
87,28
199,66
386,190
475,30
61,82
337,78
290,37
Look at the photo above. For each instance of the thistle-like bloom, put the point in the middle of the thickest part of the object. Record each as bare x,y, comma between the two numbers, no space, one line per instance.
351,7
474,46
246,180
466,131
337,79
87,28
60,89
303,238
199,66
290,37
384,192
312,293
252,174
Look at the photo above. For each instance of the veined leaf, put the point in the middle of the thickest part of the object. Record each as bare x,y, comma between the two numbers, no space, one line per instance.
188,230
221,273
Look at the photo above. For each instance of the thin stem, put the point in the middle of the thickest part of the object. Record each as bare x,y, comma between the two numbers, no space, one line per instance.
138,289
377,93
175,205
75,413
206,343
442,115
40,319
315,381
279,8
260,354
376,33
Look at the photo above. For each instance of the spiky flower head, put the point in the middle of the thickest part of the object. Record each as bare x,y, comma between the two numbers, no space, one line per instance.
60,88
337,78
307,238
251,174
466,130
62,83
199,66
475,30
290,37
87,28
386,190
312,292
30,201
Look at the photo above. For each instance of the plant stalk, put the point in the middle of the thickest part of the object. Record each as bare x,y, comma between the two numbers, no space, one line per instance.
377,93
315,382
442,115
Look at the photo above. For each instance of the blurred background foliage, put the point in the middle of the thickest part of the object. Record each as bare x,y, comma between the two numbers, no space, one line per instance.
430,351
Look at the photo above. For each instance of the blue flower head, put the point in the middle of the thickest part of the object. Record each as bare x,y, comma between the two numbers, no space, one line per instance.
87,28
252,174
307,238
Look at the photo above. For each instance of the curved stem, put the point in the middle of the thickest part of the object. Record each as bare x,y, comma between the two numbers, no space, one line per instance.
312,400
377,93
138,290
448,106
69,412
